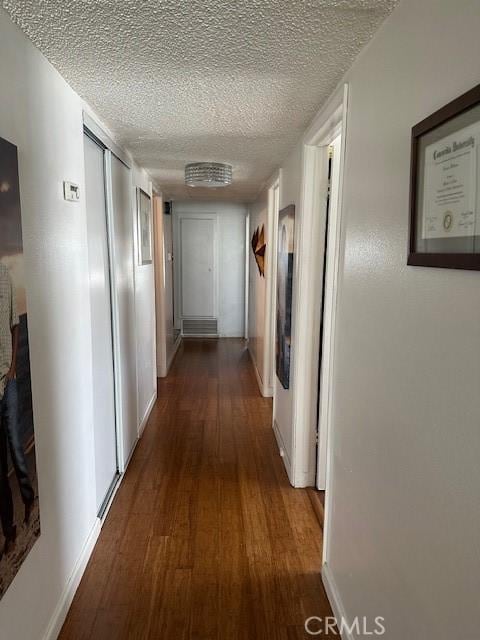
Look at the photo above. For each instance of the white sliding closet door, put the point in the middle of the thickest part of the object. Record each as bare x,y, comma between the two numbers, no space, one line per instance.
123,266
106,467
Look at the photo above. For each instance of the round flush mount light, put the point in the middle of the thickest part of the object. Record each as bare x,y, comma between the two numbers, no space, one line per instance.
208,174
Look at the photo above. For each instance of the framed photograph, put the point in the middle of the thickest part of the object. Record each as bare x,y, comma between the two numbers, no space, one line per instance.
286,236
444,187
144,222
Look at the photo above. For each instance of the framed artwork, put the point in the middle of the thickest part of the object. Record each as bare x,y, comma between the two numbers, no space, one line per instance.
286,231
144,222
19,506
258,247
444,187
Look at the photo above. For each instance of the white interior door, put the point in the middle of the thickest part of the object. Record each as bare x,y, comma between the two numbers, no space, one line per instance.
198,277
106,466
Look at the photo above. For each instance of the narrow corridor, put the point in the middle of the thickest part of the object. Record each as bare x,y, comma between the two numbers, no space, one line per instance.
206,538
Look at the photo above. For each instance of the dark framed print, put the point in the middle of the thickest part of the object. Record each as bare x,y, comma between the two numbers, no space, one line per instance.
444,187
144,224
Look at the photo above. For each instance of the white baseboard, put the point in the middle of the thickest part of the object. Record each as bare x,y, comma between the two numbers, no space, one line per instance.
145,418
265,390
162,370
304,479
174,352
283,452
335,600
61,610
268,391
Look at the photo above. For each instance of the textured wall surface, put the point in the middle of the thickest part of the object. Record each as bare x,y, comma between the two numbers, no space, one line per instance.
42,116
203,80
404,538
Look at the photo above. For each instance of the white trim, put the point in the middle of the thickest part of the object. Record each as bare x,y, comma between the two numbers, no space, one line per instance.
283,451
329,426
61,610
143,423
329,314
309,256
335,600
178,342
265,389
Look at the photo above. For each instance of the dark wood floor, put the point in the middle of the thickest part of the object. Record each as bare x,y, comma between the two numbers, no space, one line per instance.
206,539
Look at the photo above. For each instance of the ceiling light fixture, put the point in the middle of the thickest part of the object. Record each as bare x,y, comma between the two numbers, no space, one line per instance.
208,174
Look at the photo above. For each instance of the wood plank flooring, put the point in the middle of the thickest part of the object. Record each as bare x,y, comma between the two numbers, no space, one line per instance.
206,539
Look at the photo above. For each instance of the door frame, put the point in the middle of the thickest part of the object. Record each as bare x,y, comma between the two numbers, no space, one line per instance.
310,240
328,320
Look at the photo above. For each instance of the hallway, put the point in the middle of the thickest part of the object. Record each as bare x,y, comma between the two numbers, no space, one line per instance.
206,538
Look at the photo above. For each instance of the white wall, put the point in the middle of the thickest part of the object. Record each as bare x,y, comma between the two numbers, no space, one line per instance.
145,314
404,539
231,261
43,116
257,301
403,533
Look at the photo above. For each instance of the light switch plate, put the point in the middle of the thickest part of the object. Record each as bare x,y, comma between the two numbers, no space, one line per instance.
71,191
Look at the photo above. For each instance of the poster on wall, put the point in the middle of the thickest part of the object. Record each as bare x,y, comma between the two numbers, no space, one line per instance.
19,508
286,230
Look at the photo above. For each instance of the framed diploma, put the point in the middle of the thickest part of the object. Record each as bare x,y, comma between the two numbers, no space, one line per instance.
445,187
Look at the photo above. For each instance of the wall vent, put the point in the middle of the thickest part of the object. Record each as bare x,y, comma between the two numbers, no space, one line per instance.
200,327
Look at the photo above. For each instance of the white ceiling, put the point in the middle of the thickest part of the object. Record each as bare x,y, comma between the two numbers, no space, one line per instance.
186,80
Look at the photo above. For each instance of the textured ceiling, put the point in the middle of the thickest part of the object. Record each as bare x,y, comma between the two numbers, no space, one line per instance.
186,80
